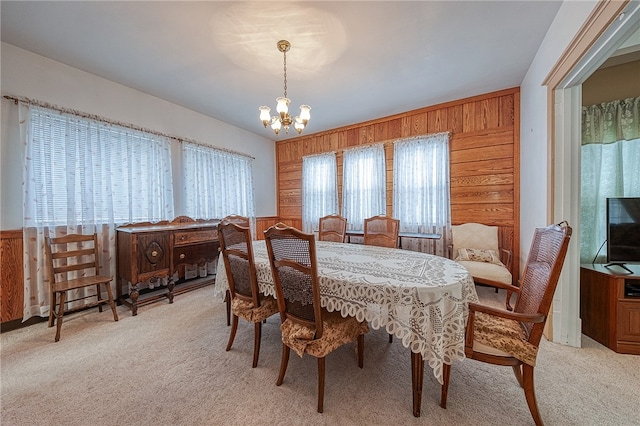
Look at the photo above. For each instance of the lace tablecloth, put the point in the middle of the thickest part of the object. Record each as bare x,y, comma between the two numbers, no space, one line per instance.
419,298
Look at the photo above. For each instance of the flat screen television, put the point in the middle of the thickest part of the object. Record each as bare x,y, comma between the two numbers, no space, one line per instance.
623,230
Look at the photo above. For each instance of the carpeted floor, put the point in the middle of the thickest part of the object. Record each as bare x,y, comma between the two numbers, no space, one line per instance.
168,366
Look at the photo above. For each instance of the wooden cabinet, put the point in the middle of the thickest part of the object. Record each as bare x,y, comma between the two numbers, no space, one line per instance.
610,306
150,252
11,276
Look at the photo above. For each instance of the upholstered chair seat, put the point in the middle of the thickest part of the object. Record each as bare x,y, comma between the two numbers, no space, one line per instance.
503,337
245,309
337,331
483,271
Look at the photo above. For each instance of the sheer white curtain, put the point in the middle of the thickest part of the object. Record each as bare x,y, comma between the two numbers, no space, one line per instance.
84,176
610,167
319,189
363,184
217,183
421,196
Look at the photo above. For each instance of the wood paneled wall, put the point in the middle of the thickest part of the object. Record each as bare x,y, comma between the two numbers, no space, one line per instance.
11,275
485,159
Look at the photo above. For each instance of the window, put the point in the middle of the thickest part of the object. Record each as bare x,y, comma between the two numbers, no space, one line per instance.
421,182
217,183
319,189
82,171
363,185
609,159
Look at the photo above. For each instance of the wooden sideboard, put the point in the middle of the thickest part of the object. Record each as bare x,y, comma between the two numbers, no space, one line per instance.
148,252
610,306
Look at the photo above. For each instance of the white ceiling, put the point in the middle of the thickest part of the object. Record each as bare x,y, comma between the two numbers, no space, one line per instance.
350,61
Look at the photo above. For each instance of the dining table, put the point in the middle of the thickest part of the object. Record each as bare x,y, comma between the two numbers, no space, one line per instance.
421,299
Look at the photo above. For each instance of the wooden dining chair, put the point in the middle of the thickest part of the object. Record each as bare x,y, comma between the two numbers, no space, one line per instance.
501,337
332,228
306,326
74,264
246,300
381,231
242,221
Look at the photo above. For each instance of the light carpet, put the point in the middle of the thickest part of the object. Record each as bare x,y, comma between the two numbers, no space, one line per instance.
168,366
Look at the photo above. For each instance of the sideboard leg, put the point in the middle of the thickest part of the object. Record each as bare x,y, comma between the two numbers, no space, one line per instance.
170,285
133,294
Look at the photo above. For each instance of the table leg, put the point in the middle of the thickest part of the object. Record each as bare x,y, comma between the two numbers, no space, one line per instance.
417,376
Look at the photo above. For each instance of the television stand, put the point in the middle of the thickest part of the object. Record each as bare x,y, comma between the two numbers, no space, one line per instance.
620,264
610,306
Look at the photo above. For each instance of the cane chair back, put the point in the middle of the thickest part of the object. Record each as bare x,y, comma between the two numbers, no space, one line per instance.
74,263
242,221
237,254
332,228
298,292
381,231
501,337
237,219
306,327
245,298
541,275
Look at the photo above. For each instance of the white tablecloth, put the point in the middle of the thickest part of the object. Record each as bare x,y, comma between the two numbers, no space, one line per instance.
420,298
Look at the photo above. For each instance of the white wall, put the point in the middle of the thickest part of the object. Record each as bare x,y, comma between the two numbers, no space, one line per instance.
26,74
534,143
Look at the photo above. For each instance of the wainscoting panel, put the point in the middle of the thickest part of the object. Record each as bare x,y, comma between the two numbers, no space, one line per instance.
11,275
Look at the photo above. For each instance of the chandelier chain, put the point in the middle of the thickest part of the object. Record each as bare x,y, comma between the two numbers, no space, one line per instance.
285,73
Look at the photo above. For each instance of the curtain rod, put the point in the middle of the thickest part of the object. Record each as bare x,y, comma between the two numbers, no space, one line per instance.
82,114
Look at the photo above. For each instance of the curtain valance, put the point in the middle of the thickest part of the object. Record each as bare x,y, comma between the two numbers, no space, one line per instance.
611,122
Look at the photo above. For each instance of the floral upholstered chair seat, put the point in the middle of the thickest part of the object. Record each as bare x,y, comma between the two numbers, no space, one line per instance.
245,309
336,332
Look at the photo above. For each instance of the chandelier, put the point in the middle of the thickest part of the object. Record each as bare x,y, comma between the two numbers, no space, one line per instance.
282,105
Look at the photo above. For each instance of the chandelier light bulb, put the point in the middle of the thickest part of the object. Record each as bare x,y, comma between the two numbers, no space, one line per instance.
264,115
305,113
282,106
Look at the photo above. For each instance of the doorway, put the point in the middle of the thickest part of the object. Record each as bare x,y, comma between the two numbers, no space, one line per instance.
600,39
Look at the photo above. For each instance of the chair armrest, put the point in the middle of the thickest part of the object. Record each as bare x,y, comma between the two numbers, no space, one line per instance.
505,257
536,318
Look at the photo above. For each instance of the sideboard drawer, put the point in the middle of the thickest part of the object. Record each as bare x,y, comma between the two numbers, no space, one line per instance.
196,253
193,237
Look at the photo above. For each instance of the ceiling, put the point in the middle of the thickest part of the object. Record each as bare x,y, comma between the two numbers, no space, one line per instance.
350,61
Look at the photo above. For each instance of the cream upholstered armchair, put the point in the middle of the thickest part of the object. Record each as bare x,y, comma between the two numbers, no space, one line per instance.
476,247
